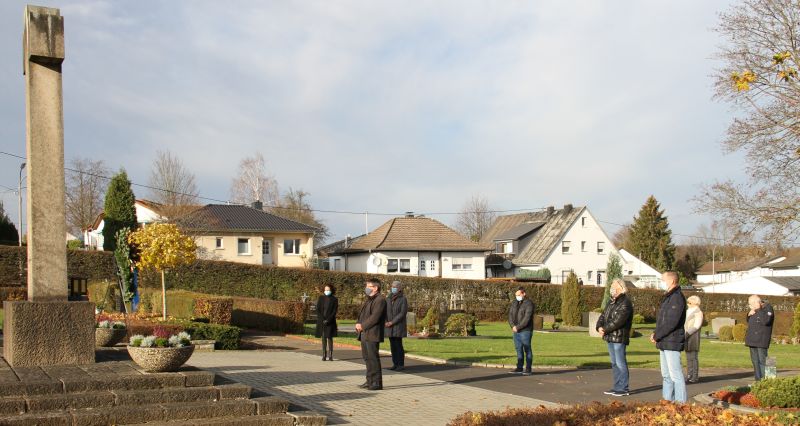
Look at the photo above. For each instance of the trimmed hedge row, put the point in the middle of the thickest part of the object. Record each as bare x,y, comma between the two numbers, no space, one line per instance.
486,299
89,265
269,315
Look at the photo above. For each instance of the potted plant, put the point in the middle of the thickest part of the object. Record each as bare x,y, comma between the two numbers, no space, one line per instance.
108,333
160,351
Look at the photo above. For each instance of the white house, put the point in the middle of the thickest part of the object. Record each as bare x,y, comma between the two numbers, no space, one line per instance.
146,212
414,246
640,273
720,272
563,241
769,286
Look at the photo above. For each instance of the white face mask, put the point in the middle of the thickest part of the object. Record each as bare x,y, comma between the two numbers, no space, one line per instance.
519,298
327,292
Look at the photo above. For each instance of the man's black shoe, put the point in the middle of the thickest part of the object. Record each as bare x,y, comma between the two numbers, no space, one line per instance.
394,367
400,368
364,385
375,388
517,371
527,373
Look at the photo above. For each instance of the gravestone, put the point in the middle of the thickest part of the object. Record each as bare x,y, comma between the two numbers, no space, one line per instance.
46,329
720,322
411,320
538,322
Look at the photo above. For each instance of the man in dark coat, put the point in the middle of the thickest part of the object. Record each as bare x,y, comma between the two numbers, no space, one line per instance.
614,326
369,327
670,338
520,318
759,333
396,311
327,307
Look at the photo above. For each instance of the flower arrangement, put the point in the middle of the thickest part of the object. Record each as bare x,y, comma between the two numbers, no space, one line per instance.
161,339
104,321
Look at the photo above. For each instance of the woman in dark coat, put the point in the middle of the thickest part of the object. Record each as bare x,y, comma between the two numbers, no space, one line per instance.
396,311
327,307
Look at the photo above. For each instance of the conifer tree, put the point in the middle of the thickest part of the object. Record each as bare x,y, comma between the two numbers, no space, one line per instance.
651,238
571,300
120,211
613,271
8,232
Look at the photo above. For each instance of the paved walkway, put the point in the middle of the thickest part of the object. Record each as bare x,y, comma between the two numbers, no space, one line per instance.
331,388
425,393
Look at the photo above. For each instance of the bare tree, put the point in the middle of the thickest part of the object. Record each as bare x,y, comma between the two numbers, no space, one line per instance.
174,185
86,185
475,218
253,183
622,238
294,205
759,77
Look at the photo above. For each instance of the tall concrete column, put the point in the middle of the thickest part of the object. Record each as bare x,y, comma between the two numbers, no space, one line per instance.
46,329
43,50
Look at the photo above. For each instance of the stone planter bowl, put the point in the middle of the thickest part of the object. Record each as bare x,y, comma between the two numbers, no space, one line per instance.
106,337
157,360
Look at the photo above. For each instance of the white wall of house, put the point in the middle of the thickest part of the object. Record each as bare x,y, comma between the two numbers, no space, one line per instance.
258,249
583,256
464,265
751,285
145,215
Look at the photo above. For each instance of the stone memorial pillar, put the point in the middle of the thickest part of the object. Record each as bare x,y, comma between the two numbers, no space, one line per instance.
46,329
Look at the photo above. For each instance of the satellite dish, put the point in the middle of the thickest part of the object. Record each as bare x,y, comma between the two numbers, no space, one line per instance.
376,261
507,264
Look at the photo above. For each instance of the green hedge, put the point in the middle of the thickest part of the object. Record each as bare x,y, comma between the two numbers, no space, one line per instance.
486,299
89,265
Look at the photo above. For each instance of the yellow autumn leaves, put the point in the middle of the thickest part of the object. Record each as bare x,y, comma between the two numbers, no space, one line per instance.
162,246
785,72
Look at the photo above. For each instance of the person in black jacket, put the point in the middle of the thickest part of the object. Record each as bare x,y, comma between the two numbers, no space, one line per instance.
396,311
670,338
369,327
759,333
614,326
520,318
327,307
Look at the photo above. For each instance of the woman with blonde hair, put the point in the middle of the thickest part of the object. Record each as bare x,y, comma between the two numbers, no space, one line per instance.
692,326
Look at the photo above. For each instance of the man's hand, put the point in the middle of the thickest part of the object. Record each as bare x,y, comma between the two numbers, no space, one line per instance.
752,312
324,322
602,331
359,328
653,338
388,324
514,329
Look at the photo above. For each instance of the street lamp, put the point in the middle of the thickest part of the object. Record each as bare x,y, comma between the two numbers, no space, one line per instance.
19,205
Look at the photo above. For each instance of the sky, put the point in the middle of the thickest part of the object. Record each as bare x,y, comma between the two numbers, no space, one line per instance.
390,107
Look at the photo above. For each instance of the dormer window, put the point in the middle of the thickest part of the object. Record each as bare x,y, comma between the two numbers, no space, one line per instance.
505,247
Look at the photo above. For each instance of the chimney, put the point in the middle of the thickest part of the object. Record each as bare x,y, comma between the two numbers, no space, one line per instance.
347,241
567,208
550,210
257,205
409,214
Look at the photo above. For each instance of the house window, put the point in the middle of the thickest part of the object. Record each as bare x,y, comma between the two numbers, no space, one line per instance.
583,245
600,277
391,266
601,247
565,247
463,264
401,265
583,222
218,244
589,275
421,265
405,265
243,246
504,248
265,247
433,265
291,246
337,264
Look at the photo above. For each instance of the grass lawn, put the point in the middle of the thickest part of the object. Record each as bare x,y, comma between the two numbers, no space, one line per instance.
1,318
494,345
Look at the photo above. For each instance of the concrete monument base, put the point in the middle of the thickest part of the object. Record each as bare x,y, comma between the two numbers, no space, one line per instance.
48,333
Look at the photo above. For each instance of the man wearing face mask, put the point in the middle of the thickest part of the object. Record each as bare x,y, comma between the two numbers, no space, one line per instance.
520,318
396,311
614,325
370,324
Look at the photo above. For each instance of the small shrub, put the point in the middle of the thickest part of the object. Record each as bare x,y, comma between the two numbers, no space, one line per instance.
781,392
796,322
460,324
74,244
638,319
431,319
226,336
726,333
739,331
571,301
269,315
